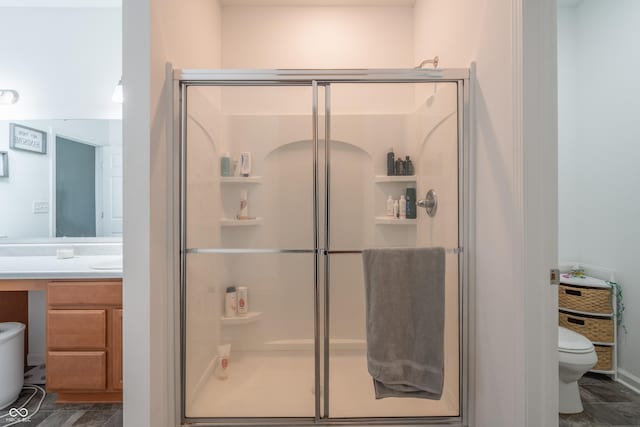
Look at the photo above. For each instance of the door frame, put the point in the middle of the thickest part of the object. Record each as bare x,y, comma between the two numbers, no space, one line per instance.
183,79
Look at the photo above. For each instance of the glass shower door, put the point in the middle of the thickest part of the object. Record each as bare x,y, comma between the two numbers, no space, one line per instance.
419,120
249,223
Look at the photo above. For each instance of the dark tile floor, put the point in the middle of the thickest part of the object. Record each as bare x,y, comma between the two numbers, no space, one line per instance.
606,403
52,414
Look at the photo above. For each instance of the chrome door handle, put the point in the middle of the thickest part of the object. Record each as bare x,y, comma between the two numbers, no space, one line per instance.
430,203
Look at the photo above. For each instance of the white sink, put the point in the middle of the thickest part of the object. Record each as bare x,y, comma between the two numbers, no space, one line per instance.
112,264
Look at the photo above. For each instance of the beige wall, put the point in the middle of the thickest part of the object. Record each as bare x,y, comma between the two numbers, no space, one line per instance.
512,46
157,32
482,33
313,37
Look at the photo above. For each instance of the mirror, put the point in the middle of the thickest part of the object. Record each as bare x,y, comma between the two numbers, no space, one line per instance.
61,178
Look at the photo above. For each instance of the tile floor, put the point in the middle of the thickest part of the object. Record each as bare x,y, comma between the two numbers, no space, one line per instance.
52,414
606,403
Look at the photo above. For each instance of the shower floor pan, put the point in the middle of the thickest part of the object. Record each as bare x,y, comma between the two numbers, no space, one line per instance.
280,384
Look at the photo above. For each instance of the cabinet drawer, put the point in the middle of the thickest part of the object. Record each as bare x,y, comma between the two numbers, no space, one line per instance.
591,300
84,293
595,329
605,362
81,329
76,370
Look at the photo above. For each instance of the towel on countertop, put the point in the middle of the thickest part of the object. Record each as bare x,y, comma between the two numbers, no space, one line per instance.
405,321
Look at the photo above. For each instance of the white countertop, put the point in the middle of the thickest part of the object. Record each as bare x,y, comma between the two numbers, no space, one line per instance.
50,267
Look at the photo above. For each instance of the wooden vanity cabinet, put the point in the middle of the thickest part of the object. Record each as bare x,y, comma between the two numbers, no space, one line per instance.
84,340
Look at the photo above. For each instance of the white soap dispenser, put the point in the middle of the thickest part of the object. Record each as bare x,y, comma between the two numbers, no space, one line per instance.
390,206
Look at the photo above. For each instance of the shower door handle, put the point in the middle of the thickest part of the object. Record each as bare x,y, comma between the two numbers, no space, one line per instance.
430,203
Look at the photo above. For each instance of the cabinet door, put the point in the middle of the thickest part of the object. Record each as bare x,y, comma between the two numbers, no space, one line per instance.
76,329
76,370
84,293
116,349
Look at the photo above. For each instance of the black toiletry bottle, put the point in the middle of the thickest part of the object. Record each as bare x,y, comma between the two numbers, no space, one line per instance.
410,195
391,163
399,167
409,170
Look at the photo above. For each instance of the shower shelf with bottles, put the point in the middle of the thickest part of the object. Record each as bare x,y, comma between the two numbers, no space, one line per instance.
250,317
395,178
385,220
230,222
241,180
396,182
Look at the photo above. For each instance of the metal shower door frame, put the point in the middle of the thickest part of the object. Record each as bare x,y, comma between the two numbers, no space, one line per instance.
184,79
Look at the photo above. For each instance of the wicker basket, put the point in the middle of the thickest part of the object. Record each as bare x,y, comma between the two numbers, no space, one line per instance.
604,358
595,329
591,300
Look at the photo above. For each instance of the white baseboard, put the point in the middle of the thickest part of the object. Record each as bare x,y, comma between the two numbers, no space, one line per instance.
35,359
629,380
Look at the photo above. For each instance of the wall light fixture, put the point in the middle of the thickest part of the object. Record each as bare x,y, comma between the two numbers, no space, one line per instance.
8,96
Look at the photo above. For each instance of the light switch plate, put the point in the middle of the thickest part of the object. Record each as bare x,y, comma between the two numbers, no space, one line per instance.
40,207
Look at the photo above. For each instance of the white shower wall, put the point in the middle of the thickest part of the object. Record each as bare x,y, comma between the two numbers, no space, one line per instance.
274,124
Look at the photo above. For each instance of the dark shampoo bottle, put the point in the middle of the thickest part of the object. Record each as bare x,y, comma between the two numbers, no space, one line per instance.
391,163
410,196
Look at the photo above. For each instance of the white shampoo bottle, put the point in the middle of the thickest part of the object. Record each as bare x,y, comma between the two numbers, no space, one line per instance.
244,205
243,301
390,206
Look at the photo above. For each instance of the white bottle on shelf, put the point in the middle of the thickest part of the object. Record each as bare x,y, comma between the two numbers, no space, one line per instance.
230,302
243,301
244,205
390,206
402,208
396,211
245,164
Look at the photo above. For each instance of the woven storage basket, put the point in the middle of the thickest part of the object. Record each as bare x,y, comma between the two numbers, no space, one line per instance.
592,300
598,330
604,358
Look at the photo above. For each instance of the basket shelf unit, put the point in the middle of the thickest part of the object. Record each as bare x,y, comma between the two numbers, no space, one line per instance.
588,306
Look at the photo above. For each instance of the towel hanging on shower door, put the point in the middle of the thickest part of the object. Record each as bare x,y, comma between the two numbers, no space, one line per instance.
405,321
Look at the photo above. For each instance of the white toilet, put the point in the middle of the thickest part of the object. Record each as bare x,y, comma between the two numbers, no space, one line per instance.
11,362
576,355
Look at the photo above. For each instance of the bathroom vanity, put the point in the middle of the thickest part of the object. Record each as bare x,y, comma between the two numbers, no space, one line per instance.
83,321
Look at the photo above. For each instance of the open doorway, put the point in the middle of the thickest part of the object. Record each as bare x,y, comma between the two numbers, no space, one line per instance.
598,155
75,188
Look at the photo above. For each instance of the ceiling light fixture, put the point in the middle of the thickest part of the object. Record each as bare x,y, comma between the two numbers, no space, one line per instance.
8,96
118,96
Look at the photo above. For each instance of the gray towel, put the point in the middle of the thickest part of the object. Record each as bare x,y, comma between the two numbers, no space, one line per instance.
405,321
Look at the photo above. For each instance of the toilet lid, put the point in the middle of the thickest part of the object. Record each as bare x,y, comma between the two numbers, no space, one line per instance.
572,342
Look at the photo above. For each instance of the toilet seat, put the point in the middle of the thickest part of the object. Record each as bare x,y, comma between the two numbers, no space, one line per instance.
572,342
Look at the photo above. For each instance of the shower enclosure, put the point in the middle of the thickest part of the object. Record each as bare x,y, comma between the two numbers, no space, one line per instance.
314,198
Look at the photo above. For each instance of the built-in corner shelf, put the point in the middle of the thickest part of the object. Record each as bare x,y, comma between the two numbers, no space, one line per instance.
242,319
229,222
241,179
395,178
385,220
